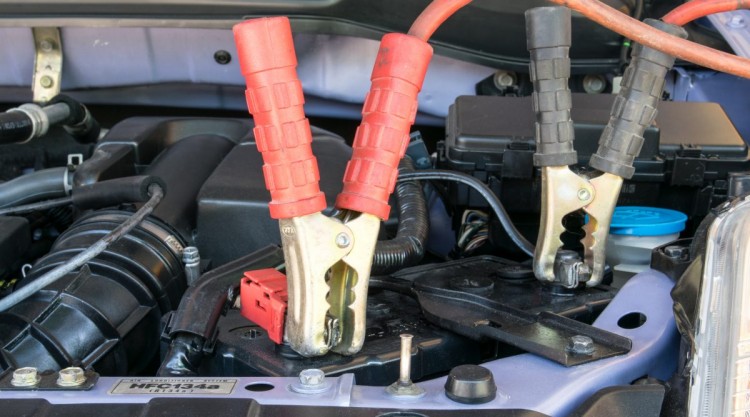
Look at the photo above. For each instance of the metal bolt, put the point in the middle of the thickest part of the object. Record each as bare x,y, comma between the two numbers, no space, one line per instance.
342,240
25,377
584,272
737,21
405,370
675,252
581,345
504,79
584,194
312,378
190,255
404,388
594,84
46,81
46,45
192,260
71,377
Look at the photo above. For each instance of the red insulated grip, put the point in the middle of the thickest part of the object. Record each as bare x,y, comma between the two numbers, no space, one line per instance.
388,114
282,133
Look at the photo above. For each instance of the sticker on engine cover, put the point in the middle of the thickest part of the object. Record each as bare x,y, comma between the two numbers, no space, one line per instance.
172,386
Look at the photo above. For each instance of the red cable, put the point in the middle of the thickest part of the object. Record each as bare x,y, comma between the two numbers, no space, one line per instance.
433,16
696,9
654,38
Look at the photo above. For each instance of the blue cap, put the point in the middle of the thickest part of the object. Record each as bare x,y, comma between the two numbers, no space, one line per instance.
646,221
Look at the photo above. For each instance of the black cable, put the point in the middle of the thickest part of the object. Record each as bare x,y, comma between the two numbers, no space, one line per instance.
484,191
93,251
42,205
638,10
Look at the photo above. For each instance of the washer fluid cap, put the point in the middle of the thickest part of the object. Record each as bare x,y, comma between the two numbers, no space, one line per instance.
646,221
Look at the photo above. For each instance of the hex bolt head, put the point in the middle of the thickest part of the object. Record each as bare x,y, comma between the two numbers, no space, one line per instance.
343,240
581,345
46,81
71,377
25,377
676,252
312,377
504,79
190,255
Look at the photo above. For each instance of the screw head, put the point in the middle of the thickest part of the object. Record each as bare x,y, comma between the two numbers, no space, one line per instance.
584,194
46,81
71,377
25,377
581,345
342,240
312,377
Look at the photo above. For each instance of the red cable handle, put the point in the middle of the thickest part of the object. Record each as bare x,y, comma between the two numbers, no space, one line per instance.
282,133
388,114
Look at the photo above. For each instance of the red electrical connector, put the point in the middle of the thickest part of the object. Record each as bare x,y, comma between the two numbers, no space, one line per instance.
263,294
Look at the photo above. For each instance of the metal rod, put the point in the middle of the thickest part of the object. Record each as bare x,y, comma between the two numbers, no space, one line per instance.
405,375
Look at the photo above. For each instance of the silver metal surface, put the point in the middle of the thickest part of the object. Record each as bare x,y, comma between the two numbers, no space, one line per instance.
39,120
404,388
192,260
311,381
25,377
71,377
581,345
47,64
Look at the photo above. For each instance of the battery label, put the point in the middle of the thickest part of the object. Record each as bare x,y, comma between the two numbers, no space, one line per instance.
172,386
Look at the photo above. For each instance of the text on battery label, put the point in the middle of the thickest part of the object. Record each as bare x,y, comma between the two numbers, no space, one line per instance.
156,386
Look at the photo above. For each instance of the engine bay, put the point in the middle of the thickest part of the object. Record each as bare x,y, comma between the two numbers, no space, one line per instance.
529,239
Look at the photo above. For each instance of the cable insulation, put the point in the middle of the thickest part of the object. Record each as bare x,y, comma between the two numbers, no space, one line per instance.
696,9
433,16
484,191
654,38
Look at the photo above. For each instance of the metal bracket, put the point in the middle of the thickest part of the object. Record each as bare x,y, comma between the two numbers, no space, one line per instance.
484,313
48,62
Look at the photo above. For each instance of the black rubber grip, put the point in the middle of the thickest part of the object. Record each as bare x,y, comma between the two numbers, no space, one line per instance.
635,106
114,192
548,40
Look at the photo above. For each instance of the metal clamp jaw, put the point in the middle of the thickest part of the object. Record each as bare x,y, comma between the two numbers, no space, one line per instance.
548,33
328,266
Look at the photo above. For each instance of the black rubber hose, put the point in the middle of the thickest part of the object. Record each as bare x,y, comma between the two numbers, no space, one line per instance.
80,123
15,127
407,248
40,185
484,191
